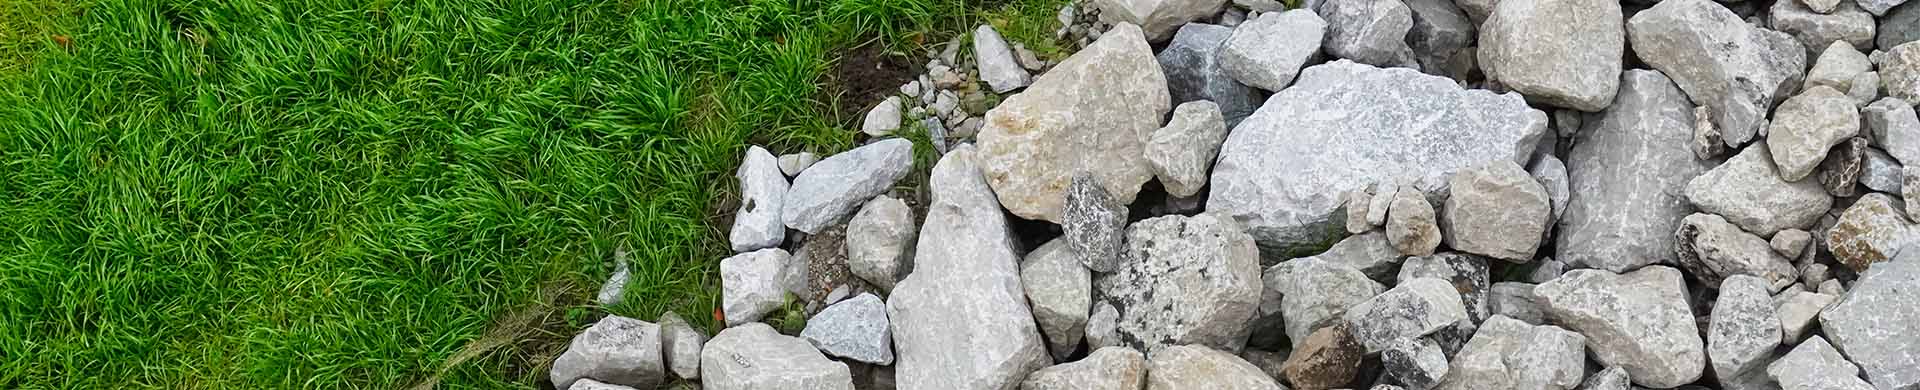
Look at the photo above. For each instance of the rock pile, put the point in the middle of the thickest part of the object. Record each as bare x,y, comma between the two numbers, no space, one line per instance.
1383,194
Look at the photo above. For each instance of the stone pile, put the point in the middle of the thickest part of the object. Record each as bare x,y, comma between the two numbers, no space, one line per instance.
1354,194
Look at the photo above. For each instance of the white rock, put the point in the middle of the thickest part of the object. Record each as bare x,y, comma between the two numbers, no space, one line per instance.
1744,328
1182,153
1199,367
1865,88
1188,280
1790,242
1496,210
1157,18
883,119
1807,126
1111,368
1268,51
1900,71
1552,175
616,350
855,329
752,284
1895,128
1510,354
1797,311
1093,112
1060,290
832,188
1414,308
1747,191
1815,30
1816,365
1565,53
1837,66
878,241
1412,227
1713,250
1627,171
1638,321
792,164
1735,69
758,222
681,345
996,62
754,356
1875,323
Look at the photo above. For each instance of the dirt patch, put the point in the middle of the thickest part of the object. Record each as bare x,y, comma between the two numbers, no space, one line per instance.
864,76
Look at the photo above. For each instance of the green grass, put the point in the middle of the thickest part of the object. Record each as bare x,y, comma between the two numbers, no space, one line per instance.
345,194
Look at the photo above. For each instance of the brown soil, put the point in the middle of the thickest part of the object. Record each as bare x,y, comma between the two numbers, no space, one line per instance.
864,76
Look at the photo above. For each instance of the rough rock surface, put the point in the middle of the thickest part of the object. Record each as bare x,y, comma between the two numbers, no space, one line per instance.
1157,18
1806,126
1815,30
961,319
1841,170
996,63
1195,67
1638,321
1372,32
1628,169
1551,173
1875,323
1111,368
1441,33
1744,330
1747,191
752,284
1510,354
1091,113
1311,293
1816,365
792,164
1267,52
1327,359
754,356
1496,210
1797,310
758,224
1412,309
1565,53
1612,378
616,350
1094,224
1895,128
1060,291
1516,300
1733,68
1182,153
1189,280
1412,227
833,187
1871,231
1837,65
1419,364
1880,172
1900,71
880,241
1901,25
854,329
1199,367
1344,126
1467,273
680,346
1712,250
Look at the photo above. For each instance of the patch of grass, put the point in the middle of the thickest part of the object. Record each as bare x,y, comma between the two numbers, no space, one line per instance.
346,194
1030,22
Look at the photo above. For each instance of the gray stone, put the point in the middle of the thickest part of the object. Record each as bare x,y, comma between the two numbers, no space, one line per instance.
883,119
880,241
1629,168
1790,242
1414,308
616,350
1328,358
1103,326
754,356
1378,205
1091,113
1871,231
1060,290
1196,70
1832,287
1548,269
1895,128
1309,293
832,188
1880,172
1875,323
1199,367
1708,143
1749,194
1743,329
1477,10
1111,368
1343,126
854,329
944,103
1712,250
1821,6
1735,69
996,62
1094,224
1901,25
1417,363
960,319
1509,354
1815,30
1412,226
1638,321
1816,365
1369,252
1910,189
1612,378
1814,274
680,346
1516,300
1262,6
1182,152
1837,65
1797,310
1879,7
1189,280
1157,18
1806,126
1865,88
1551,173
1372,32
614,289
1467,273
752,284
1496,210
1900,72
792,164
1267,52
1565,53
1840,172
1356,203
589,384
1440,32
757,223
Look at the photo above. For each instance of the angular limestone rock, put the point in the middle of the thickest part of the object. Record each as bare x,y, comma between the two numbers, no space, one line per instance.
832,188
1111,368
1875,323
1182,153
616,350
1565,53
1060,291
1199,367
1713,250
1628,170
1497,210
1638,321
1747,191
754,356
1190,280
1268,51
1196,70
758,224
1735,69
1806,126
1414,308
